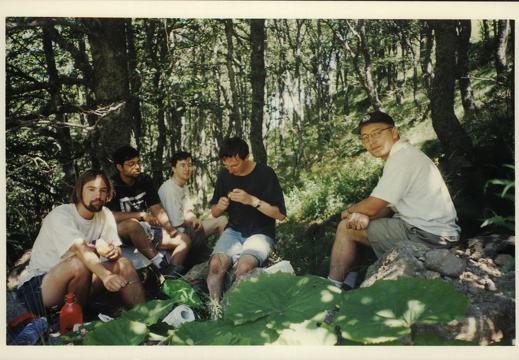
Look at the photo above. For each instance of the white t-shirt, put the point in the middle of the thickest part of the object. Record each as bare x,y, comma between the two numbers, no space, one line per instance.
60,228
416,191
176,201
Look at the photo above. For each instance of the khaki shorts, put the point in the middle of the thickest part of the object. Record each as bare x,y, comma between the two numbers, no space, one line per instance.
384,233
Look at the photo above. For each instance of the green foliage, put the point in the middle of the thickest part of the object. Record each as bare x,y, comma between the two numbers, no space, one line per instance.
504,221
283,309
182,293
388,310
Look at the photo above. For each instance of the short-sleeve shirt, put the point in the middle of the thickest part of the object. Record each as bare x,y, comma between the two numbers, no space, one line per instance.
135,198
60,228
176,201
262,182
416,191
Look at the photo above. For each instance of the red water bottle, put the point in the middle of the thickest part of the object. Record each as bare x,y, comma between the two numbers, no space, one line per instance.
71,314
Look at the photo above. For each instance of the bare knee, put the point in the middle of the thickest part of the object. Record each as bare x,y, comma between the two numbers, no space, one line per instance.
246,264
219,264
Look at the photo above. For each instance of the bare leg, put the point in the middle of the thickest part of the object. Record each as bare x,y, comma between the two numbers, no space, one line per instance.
70,275
180,243
131,230
218,266
131,294
212,226
345,250
246,264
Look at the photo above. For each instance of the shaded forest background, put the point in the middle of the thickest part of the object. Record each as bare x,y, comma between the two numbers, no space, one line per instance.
78,88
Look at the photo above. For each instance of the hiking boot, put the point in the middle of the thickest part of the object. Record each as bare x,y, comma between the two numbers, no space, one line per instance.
346,287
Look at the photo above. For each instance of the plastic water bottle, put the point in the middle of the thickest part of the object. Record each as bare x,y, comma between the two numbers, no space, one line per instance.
71,314
35,331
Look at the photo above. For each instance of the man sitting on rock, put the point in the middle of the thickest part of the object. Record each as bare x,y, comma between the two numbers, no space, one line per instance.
410,202
64,258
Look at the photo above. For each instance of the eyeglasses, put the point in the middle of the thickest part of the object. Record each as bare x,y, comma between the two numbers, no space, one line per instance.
132,164
375,134
234,166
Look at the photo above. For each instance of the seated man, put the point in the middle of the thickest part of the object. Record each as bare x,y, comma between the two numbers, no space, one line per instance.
141,219
176,200
251,195
410,203
64,258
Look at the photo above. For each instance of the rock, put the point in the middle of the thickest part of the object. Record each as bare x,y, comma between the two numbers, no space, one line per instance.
490,316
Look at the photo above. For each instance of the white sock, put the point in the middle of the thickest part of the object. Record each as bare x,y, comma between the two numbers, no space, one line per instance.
335,282
157,259
351,278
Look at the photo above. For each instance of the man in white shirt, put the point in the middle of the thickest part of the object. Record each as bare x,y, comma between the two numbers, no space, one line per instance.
64,257
176,200
410,202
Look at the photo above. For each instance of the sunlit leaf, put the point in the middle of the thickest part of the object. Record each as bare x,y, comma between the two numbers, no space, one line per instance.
388,309
182,293
150,312
285,298
306,333
117,332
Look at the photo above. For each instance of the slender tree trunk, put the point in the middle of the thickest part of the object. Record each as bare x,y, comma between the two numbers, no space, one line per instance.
467,96
500,50
65,156
235,120
454,141
108,48
257,79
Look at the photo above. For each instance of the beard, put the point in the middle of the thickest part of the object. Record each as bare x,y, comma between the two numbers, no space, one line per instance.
94,207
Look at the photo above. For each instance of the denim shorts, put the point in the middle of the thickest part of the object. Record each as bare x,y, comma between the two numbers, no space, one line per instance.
383,233
30,295
233,244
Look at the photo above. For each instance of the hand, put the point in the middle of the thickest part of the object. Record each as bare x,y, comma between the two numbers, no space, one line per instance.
223,203
114,282
150,219
240,196
197,224
357,221
114,254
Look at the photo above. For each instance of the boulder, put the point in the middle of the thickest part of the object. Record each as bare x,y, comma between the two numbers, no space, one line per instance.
482,271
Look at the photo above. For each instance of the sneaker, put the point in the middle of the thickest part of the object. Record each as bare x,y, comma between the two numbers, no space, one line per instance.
346,287
171,271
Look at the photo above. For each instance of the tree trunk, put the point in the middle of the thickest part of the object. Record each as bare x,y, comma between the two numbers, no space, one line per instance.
500,50
257,79
235,120
111,85
467,96
454,141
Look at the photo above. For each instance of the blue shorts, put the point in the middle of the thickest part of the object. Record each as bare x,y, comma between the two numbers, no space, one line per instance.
30,295
153,232
233,244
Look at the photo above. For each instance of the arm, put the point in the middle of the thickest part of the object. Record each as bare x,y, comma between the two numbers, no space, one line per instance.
247,199
190,218
139,215
85,253
158,211
371,207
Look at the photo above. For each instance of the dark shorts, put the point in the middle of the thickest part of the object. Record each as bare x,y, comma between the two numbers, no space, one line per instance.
30,295
154,233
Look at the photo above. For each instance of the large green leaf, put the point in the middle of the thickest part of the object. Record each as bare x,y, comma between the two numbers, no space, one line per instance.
307,333
150,312
388,309
117,332
285,298
224,332
182,293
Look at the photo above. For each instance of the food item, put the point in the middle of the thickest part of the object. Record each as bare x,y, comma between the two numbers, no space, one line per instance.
103,247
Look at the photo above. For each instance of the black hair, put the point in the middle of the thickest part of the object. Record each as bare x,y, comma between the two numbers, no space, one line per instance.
125,153
232,147
179,156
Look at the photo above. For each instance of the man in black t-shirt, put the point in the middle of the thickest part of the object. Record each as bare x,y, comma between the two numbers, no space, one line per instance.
141,219
251,195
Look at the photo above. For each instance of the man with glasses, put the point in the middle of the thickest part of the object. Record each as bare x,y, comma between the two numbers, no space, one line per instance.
410,203
176,200
141,219
251,195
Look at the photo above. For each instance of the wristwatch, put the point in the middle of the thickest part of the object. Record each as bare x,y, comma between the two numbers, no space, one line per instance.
258,204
